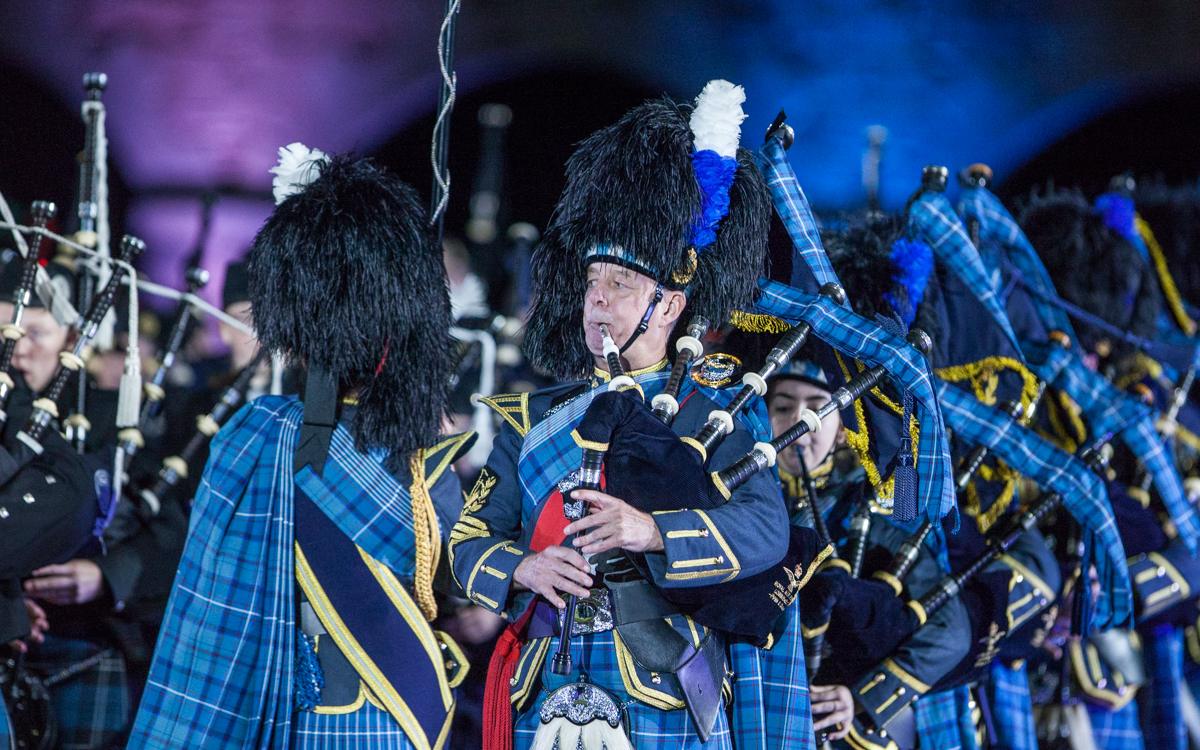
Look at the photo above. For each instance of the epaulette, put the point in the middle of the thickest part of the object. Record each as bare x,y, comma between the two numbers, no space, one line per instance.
512,407
442,454
716,370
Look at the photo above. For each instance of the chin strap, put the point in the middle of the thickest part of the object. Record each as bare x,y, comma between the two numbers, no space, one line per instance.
645,324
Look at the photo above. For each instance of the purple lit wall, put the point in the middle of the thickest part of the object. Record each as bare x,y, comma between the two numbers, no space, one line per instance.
202,92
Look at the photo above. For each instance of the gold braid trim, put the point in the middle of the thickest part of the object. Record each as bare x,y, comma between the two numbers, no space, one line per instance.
425,532
1073,433
1170,291
1001,473
758,322
984,377
860,442
1137,369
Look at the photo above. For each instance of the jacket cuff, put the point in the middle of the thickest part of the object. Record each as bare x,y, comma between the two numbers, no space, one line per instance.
694,548
490,579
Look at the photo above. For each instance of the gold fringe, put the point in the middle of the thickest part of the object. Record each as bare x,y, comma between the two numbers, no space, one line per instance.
860,442
1170,290
1001,473
984,377
758,322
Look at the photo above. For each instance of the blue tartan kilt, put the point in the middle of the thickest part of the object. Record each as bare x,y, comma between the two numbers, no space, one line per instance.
92,708
5,732
1116,730
360,725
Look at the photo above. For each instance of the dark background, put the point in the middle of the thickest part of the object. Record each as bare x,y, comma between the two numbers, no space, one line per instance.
202,93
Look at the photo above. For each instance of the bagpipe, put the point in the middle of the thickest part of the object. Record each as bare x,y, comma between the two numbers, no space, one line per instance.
31,438
92,214
41,212
884,692
634,447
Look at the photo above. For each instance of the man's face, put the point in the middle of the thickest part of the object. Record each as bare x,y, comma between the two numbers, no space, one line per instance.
786,400
242,346
617,298
36,353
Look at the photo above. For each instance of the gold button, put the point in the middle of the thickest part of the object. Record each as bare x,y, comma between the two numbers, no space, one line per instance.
3,512
655,678
513,681
28,498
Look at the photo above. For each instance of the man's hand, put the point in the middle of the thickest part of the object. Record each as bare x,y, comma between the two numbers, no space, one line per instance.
553,570
38,625
836,705
612,523
74,582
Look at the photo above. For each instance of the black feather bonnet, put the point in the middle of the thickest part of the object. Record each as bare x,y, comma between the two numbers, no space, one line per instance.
344,276
633,197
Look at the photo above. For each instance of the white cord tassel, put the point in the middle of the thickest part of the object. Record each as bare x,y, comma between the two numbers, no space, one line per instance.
129,395
55,295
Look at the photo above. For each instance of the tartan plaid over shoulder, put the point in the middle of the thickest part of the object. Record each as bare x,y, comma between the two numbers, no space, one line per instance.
1110,411
222,669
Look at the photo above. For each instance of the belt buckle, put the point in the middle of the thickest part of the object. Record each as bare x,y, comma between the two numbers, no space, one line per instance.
593,613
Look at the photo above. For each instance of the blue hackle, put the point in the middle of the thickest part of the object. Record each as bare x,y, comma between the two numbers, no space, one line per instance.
310,680
914,259
1117,211
715,175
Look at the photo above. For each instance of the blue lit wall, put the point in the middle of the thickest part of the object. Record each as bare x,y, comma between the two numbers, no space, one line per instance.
203,91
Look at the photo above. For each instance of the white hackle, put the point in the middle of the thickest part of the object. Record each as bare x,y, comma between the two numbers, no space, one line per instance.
716,121
298,166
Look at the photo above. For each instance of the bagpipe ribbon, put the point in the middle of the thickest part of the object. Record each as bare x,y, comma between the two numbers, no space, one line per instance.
934,220
814,269
1106,408
997,225
852,334
1109,410
867,341
1083,493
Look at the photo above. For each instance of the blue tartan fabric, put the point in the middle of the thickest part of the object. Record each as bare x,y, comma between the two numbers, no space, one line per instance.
222,670
935,222
6,738
649,727
792,207
944,720
1158,701
772,703
997,225
864,340
1084,495
1116,730
1011,707
93,709
368,726
1108,410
